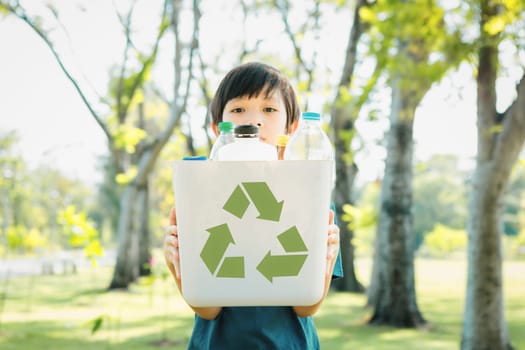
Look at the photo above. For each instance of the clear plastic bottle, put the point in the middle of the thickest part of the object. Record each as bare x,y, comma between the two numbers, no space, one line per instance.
225,137
309,141
247,146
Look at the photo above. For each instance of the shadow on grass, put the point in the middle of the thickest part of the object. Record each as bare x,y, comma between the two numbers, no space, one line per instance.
148,333
342,324
52,312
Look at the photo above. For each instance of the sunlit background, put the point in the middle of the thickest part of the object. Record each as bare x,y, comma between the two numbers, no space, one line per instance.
60,195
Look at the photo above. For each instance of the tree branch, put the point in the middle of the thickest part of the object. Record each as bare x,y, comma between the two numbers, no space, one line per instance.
126,23
512,137
150,155
22,15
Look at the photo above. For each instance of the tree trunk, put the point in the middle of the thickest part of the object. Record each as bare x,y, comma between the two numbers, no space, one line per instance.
126,267
345,179
372,289
346,170
133,255
500,139
395,300
484,321
144,231
142,212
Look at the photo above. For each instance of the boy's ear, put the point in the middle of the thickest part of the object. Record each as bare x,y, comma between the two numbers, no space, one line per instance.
215,128
293,126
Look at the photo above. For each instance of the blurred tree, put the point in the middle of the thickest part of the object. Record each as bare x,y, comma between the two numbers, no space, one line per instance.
10,167
414,41
443,240
344,112
80,232
513,202
32,199
442,179
133,152
133,218
362,218
501,136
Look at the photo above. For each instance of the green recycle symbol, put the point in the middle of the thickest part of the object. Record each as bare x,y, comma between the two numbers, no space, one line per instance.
260,195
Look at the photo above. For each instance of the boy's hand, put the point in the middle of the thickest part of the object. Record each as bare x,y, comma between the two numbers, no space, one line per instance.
333,245
171,246
331,257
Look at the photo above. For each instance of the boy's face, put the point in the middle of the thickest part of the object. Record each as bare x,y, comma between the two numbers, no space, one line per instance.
268,113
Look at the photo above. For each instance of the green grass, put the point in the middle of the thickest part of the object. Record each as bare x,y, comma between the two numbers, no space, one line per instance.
57,312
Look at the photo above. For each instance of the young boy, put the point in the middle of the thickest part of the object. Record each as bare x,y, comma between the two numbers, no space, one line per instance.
255,93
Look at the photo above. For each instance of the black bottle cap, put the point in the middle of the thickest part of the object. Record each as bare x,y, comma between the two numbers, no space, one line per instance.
246,131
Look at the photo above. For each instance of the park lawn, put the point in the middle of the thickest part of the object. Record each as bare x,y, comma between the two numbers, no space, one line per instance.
440,288
58,312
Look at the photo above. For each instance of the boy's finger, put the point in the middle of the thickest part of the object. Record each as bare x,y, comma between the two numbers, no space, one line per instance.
331,218
173,216
170,230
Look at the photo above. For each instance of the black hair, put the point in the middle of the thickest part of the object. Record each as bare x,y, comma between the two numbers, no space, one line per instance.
251,79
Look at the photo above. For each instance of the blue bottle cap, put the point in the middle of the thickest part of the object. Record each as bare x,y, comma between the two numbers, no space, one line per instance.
311,116
195,158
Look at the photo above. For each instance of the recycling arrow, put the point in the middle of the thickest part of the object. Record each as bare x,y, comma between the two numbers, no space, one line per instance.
216,245
264,200
237,203
260,195
233,267
281,265
270,209
291,241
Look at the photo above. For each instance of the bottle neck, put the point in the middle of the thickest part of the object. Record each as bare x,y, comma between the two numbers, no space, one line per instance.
311,122
246,136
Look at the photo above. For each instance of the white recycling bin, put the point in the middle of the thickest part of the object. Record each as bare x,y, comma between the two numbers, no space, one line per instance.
252,233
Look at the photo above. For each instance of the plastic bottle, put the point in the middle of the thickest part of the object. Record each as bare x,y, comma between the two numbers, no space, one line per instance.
309,141
247,146
225,137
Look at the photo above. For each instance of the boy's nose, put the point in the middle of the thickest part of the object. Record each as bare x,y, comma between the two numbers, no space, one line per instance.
255,119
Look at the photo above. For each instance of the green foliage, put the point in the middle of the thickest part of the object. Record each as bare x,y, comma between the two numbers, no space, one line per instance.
21,239
31,199
96,324
81,232
413,39
126,178
3,9
513,215
444,240
362,219
24,240
518,246
162,196
439,197
337,2
510,12
128,137
441,180
15,237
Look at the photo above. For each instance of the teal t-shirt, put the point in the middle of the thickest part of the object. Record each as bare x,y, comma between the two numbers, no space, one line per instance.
258,327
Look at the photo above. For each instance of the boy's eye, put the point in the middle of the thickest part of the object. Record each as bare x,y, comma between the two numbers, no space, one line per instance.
237,110
270,109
